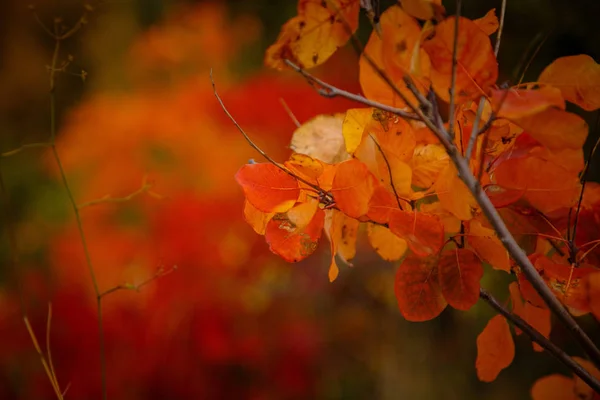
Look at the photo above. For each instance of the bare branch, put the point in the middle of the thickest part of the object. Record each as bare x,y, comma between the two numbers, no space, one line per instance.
500,27
389,168
540,339
127,286
145,188
327,90
454,66
475,129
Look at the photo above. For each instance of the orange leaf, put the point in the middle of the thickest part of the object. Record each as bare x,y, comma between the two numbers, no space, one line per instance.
553,387
352,188
424,233
424,9
389,246
555,128
291,242
459,273
518,103
477,66
257,219
495,349
381,206
393,52
342,232
267,187
454,195
487,246
577,77
488,23
353,127
545,185
539,318
417,289
427,164
319,29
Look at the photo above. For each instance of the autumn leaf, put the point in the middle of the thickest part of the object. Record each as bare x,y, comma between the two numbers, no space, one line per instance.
594,290
311,37
517,103
459,273
255,218
381,205
291,242
267,187
394,52
454,195
321,138
424,233
352,188
477,67
577,77
487,246
343,231
556,129
553,387
389,246
488,23
424,9
353,127
495,349
417,289
427,164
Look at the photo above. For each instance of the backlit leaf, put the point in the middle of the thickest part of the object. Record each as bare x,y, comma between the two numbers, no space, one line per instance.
487,246
312,36
257,219
459,272
577,77
477,66
389,246
291,242
495,349
321,138
352,188
267,187
454,195
354,125
518,103
424,233
417,289
393,52
427,163
488,23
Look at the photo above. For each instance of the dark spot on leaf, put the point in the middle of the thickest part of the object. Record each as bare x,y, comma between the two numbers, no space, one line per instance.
332,19
315,58
302,24
401,47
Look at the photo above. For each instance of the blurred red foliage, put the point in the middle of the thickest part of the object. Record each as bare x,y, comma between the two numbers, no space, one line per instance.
221,326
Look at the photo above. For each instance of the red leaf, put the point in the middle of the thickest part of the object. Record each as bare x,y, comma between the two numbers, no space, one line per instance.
417,289
423,232
459,272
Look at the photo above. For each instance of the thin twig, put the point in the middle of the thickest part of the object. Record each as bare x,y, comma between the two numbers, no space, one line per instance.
535,52
454,67
24,147
500,27
389,168
540,339
159,274
327,90
145,188
328,197
289,112
475,129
